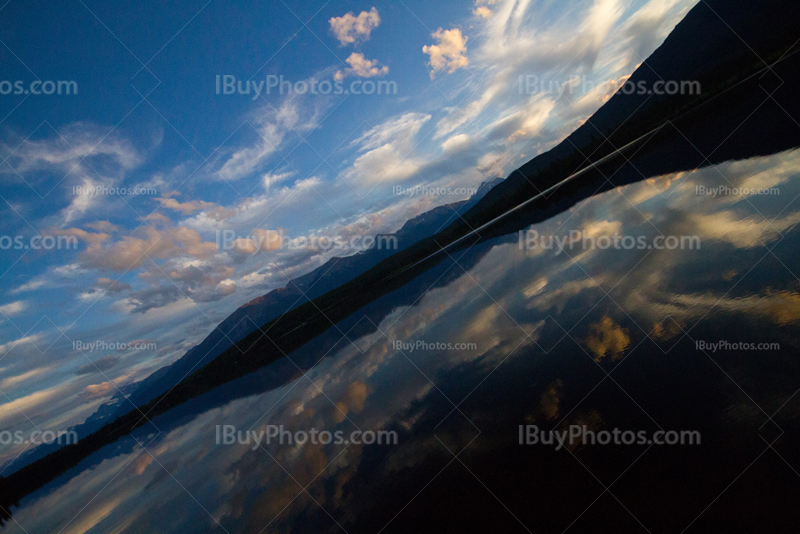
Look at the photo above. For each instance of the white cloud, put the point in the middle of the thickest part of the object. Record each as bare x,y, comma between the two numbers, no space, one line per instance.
349,29
525,122
573,39
271,126
185,208
50,163
31,286
388,151
176,261
457,116
13,308
8,383
482,11
457,143
744,232
362,67
449,53
7,347
246,160
271,179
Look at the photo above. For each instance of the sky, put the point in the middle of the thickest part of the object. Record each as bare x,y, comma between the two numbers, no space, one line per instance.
201,154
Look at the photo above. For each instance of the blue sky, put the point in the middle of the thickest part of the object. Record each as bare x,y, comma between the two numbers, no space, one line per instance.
172,163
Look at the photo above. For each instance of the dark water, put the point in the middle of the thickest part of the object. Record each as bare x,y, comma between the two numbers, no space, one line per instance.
600,338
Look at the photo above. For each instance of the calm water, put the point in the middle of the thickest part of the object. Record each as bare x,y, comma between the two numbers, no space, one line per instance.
600,337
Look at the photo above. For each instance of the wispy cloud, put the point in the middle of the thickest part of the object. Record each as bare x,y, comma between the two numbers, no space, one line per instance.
13,308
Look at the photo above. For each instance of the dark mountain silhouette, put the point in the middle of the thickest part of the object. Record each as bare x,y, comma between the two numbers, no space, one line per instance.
745,110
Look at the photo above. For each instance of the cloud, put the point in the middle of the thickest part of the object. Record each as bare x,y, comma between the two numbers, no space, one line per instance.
8,383
349,29
594,98
388,151
13,308
71,143
185,208
482,11
154,297
271,179
457,143
5,348
177,262
103,226
288,200
102,364
352,401
202,281
111,287
97,391
527,121
270,125
607,339
727,226
131,252
79,154
55,276
30,286
260,240
449,53
362,67
457,116
572,39
31,404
